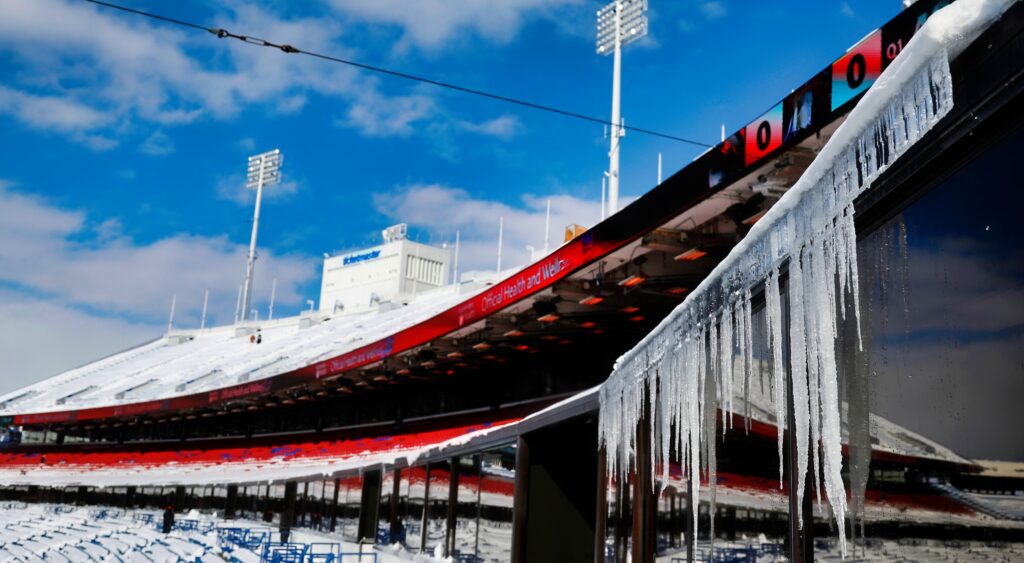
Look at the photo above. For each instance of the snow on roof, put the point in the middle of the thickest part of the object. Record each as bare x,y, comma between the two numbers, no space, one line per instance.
187,362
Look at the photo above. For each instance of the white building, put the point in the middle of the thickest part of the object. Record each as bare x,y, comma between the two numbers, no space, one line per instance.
396,270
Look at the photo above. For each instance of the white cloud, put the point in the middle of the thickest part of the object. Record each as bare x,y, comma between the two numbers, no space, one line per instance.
40,338
232,188
73,289
126,69
157,144
442,210
713,10
846,10
381,116
56,254
433,24
57,114
109,230
503,127
50,112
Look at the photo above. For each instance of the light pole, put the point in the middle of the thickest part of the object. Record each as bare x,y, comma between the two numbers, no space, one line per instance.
618,24
202,318
264,170
501,230
273,292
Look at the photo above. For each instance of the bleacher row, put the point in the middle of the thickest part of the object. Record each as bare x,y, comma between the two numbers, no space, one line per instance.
224,461
47,533
122,457
198,361
937,501
39,533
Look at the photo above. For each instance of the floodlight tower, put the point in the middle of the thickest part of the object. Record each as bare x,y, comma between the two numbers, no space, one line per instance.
264,170
618,24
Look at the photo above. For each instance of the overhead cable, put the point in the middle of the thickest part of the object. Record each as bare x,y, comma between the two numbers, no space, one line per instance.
286,48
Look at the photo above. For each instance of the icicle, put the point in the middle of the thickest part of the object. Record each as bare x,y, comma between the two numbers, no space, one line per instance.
686,367
811,320
653,417
725,371
693,424
798,374
710,415
840,251
666,414
705,387
850,238
748,350
714,364
828,390
773,317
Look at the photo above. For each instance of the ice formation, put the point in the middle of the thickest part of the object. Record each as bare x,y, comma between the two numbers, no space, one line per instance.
803,256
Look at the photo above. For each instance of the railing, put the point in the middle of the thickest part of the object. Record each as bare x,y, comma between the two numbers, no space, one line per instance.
260,542
971,501
746,554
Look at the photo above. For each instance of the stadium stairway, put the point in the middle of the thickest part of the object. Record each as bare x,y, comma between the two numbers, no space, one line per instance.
977,503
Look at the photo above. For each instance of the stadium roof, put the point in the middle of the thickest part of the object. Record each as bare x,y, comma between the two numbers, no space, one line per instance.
735,181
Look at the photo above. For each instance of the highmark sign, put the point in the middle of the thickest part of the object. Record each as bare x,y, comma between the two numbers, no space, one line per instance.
361,257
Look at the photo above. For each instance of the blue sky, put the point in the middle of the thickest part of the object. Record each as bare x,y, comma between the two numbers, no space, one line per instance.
124,140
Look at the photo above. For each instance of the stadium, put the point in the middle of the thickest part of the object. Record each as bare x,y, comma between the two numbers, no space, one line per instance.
787,350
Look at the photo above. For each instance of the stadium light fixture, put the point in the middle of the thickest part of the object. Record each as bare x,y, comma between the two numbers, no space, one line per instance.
633,281
619,23
263,170
691,254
